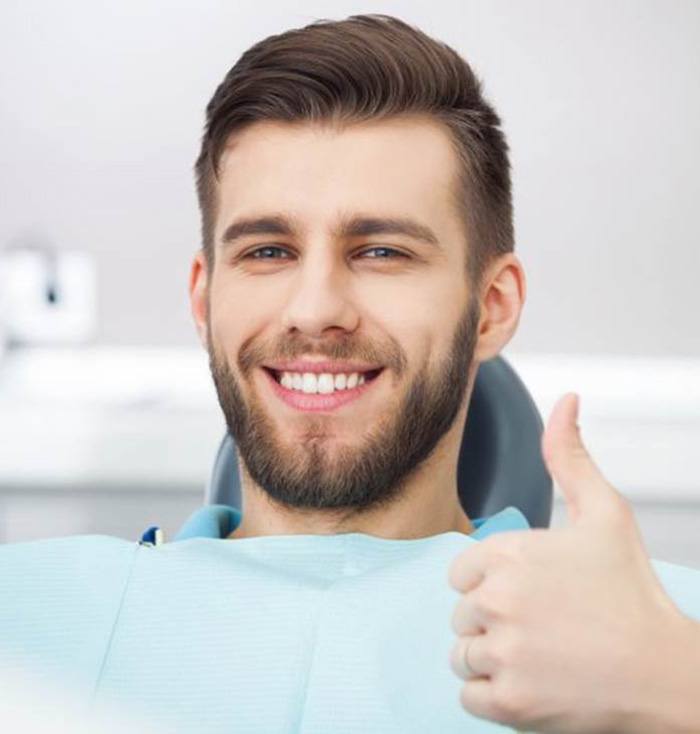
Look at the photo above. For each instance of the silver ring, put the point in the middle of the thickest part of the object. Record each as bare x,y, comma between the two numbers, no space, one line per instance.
465,658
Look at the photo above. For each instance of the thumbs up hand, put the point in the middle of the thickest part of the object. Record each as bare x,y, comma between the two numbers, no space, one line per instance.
566,630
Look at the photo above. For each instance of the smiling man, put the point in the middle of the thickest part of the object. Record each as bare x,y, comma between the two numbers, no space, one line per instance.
356,268
343,325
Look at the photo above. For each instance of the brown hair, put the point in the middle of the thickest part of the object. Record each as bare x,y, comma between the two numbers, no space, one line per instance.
364,68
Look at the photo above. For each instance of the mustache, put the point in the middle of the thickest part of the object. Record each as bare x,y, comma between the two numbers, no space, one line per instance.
253,353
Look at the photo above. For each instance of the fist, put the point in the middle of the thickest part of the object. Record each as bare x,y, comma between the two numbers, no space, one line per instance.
554,626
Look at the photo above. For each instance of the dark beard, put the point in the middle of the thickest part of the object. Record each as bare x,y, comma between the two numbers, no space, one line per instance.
356,478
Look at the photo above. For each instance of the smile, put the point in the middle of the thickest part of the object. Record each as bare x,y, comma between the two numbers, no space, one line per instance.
320,392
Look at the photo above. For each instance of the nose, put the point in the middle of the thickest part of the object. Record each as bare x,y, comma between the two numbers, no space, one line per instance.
319,299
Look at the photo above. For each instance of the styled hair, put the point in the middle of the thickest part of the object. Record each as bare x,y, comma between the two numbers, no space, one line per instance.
368,67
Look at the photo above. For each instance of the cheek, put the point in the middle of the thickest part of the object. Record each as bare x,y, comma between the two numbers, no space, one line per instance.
414,335
426,334
421,316
238,311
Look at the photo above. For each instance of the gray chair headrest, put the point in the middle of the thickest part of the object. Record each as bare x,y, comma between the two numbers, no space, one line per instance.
500,461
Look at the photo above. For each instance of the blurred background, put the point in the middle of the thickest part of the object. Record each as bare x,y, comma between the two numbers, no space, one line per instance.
108,419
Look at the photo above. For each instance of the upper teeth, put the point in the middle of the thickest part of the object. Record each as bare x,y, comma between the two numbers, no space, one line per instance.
310,382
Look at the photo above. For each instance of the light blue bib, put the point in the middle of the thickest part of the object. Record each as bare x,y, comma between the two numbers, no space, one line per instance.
307,634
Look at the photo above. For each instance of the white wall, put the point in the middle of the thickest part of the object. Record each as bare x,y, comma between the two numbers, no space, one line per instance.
102,104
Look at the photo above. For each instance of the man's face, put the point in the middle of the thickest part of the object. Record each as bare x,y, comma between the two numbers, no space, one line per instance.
323,305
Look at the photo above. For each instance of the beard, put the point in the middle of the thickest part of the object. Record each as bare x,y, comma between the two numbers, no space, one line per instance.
353,478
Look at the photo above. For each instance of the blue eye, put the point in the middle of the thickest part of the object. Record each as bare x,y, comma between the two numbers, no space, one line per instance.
256,254
394,253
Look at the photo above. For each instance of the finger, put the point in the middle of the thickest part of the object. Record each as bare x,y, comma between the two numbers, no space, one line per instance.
470,657
468,569
585,489
477,697
466,619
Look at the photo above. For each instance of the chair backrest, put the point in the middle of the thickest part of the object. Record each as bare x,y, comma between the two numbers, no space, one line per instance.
500,461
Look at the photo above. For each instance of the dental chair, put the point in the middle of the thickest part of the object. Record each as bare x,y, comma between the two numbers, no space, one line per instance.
500,461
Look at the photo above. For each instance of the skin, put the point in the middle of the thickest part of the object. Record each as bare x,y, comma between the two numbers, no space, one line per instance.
402,168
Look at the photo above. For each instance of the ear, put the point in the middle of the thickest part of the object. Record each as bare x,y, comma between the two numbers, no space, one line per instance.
502,299
199,295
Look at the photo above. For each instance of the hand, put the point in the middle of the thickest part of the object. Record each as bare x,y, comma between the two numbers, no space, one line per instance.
564,629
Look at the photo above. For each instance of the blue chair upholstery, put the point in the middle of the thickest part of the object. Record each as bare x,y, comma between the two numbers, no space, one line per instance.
500,461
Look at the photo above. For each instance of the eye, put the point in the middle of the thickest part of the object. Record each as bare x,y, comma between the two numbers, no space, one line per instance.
262,253
391,253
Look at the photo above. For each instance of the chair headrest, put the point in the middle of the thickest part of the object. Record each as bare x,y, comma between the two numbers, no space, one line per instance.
500,462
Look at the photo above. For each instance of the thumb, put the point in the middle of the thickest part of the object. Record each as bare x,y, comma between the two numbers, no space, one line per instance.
586,491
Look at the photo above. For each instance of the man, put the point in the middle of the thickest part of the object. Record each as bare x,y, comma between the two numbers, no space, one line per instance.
356,267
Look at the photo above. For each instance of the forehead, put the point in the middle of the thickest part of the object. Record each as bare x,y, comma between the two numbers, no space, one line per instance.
316,173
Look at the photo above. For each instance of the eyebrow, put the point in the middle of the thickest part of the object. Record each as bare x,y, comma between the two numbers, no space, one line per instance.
356,226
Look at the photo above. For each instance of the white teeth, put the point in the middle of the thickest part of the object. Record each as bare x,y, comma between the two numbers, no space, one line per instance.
325,383
310,384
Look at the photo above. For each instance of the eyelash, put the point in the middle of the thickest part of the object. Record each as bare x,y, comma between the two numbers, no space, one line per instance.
251,255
